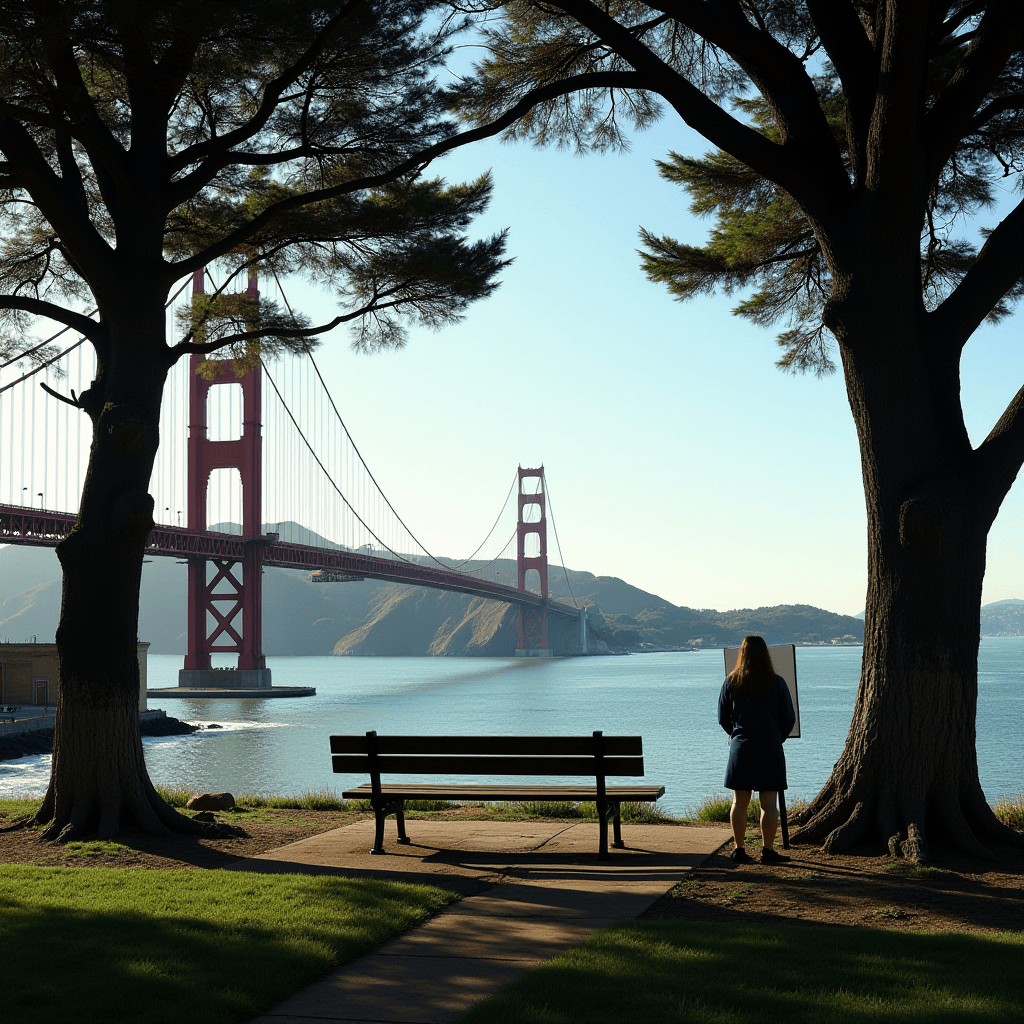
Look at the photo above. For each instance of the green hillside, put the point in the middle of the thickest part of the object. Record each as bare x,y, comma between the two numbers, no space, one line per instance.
376,619
1003,618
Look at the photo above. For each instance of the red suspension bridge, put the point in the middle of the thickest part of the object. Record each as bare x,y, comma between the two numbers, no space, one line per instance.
299,496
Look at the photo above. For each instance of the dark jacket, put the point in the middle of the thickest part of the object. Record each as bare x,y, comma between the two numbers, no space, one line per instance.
758,730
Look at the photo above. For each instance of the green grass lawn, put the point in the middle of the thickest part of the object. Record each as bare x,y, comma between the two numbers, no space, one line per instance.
704,973
119,945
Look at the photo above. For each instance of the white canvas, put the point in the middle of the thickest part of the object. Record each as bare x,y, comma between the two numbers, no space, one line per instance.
784,663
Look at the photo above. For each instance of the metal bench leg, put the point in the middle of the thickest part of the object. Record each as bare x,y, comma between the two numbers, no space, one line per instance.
379,814
617,822
400,820
602,824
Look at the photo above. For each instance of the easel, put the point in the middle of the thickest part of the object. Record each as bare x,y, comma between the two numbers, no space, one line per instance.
782,820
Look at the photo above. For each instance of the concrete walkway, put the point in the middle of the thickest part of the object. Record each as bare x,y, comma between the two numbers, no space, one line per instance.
531,890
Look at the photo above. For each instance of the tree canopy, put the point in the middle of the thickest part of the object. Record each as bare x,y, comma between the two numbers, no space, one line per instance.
786,91
285,135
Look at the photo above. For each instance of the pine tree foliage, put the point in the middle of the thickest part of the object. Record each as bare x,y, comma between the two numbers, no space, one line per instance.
611,60
283,136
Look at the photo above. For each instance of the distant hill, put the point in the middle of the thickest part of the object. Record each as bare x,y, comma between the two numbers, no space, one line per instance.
1003,618
374,619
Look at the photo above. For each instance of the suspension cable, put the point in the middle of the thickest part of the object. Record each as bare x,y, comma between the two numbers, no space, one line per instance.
67,351
369,472
330,479
547,496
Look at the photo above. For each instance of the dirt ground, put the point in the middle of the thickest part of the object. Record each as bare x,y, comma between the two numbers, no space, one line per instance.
864,889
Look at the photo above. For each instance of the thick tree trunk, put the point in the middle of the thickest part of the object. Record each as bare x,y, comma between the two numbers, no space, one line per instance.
98,777
909,768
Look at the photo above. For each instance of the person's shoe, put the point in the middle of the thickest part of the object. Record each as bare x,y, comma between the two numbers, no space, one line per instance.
769,856
740,856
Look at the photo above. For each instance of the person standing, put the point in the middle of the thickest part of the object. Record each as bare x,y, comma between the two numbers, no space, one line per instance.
756,710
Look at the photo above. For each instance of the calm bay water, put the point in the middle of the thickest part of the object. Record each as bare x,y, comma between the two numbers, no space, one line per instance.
281,745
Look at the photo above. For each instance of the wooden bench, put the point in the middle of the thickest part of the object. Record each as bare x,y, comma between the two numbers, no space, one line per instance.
597,755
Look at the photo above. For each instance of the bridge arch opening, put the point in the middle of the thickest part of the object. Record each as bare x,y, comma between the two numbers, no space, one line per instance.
531,546
532,580
224,412
224,501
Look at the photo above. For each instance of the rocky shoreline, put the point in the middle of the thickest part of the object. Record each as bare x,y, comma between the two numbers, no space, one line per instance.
40,741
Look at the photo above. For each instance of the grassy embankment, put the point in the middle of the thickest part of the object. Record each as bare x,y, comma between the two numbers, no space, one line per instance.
124,946
702,973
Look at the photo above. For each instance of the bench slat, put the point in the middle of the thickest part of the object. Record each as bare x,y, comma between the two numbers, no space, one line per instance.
618,746
390,764
455,791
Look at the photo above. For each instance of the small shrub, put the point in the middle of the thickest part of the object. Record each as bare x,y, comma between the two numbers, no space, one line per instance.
548,809
424,805
1010,811
716,808
323,799
645,814
893,912
176,796
795,807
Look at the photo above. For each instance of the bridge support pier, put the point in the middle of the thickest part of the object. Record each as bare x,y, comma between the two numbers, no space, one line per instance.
234,589
533,622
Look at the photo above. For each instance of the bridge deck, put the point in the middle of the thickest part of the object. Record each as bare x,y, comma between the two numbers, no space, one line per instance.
42,528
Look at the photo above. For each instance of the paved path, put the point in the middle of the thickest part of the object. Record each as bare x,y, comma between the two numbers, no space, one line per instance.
531,890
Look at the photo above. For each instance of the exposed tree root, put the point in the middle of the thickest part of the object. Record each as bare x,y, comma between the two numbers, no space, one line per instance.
902,822
19,824
82,815
850,833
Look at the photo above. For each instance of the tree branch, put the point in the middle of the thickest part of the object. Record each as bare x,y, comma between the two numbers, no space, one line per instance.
848,47
51,194
1015,101
998,36
72,401
780,77
268,103
189,347
413,165
1000,456
999,266
94,331
74,94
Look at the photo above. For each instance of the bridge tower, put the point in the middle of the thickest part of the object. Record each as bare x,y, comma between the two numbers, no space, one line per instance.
533,622
215,600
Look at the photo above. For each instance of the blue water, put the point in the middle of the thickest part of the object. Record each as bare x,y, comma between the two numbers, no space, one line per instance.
670,699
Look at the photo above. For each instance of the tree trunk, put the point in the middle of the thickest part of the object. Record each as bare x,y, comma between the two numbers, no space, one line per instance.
98,776
909,768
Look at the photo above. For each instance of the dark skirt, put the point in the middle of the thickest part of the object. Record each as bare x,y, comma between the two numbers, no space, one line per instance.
755,769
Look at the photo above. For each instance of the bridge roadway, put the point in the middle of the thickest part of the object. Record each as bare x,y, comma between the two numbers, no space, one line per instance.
41,528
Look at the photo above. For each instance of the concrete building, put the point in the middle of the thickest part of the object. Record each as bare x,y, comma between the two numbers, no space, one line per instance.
28,674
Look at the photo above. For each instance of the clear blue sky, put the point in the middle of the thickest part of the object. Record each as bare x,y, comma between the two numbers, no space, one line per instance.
679,458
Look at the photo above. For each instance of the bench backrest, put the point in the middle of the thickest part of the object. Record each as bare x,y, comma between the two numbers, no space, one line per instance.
596,755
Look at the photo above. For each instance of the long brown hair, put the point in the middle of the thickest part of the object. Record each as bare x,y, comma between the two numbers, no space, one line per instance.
754,675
